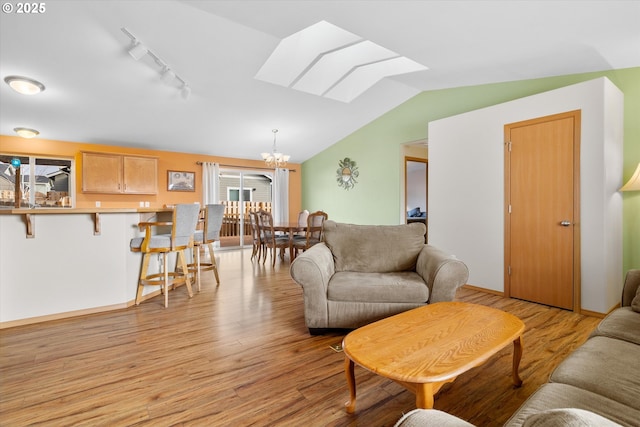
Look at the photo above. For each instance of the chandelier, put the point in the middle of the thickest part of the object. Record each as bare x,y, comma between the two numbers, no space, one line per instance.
275,159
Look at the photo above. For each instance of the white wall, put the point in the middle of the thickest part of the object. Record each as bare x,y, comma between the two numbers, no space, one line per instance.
65,268
466,186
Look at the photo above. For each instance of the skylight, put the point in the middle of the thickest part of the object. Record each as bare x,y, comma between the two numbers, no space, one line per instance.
326,60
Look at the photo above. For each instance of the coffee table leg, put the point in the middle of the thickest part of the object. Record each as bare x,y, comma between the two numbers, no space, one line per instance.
424,396
349,370
517,355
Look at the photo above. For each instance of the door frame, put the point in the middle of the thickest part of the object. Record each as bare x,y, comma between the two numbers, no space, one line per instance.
576,115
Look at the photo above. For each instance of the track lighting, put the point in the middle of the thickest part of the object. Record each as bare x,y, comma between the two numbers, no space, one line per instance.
138,50
186,91
167,75
24,85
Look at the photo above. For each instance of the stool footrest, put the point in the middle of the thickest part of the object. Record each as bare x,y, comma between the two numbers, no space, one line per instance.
157,279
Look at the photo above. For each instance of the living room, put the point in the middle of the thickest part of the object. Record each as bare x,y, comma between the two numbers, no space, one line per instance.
374,141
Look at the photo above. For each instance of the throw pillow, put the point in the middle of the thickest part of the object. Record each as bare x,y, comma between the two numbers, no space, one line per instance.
635,303
567,417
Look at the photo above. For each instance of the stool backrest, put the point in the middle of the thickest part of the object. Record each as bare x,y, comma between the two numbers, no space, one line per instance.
213,216
185,220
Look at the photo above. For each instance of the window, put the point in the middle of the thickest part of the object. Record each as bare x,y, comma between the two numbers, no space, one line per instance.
43,182
233,195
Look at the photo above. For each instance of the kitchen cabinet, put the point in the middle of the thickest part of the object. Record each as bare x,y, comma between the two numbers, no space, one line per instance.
119,174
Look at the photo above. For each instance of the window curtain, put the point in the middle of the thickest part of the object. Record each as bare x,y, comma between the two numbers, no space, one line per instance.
281,195
210,183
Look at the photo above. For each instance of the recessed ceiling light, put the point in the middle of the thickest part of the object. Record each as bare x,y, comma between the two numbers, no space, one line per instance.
26,132
24,85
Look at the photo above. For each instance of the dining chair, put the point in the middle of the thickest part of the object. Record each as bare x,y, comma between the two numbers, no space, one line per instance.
269,237
302,221
313,232
183,225
255,235
213,215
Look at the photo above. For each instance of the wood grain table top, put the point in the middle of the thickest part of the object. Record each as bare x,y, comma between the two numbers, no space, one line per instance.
433,343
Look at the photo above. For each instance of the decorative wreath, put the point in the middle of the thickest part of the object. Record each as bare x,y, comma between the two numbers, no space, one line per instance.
347,173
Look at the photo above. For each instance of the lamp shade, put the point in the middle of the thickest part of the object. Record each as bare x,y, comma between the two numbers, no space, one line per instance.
634,182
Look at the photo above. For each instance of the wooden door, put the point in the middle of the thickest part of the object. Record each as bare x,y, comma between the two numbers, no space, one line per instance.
542,209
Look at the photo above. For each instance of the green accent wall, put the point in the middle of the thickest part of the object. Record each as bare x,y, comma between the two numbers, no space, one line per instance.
377,150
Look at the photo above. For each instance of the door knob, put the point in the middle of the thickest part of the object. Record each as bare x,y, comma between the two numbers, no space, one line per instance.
565,223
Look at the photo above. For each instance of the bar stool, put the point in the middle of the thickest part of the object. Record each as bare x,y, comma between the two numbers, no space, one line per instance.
213,215
183,224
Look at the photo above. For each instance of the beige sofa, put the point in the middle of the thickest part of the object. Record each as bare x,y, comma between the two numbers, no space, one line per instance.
362,273
597,385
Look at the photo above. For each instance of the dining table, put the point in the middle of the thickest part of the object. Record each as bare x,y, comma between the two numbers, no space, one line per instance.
291,228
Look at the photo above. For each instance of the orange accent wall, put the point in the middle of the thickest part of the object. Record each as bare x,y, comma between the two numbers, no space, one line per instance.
167,160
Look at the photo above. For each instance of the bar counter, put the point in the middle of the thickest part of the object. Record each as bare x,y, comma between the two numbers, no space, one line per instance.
78,262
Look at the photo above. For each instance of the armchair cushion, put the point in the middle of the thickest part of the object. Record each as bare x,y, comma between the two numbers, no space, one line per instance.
374,248
404,286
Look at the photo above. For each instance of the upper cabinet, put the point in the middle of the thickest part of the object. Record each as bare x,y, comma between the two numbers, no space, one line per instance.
119,174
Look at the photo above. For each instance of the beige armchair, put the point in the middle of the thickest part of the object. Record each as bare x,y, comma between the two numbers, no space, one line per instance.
362,273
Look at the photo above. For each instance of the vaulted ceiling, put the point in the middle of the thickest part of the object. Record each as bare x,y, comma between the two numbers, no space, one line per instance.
97,93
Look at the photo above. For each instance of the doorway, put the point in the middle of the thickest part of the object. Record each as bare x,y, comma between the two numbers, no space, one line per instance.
416,184
241,192
542,234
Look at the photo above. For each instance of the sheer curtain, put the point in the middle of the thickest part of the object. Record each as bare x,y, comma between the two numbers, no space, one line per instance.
210,183
281,195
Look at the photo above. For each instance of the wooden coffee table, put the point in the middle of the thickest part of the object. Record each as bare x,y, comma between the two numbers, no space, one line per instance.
424,348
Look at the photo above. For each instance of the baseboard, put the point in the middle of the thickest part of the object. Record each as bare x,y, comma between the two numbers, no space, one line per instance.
65,315
68,314
488,291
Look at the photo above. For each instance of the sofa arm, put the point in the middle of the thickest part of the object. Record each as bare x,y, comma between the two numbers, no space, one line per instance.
631,284
442,272
312,270
430,418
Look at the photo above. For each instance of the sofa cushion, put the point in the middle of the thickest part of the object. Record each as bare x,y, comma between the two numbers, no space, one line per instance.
567,417
606,366
556,395
622,323
404,286
374,248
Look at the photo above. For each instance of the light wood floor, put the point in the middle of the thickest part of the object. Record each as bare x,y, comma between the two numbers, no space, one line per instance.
240,355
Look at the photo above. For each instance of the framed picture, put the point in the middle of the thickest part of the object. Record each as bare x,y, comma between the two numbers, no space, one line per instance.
181,181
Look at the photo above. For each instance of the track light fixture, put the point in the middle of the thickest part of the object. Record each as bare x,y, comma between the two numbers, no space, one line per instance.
168,75
186,91
138,50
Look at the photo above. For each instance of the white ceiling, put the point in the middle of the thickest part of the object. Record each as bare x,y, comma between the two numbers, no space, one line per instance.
96,93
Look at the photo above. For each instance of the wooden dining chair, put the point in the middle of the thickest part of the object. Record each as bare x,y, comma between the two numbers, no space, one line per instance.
255,235
213,216
269,238
183,225
313,232
302,221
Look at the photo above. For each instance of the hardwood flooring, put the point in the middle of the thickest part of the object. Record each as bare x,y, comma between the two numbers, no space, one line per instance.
240,355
